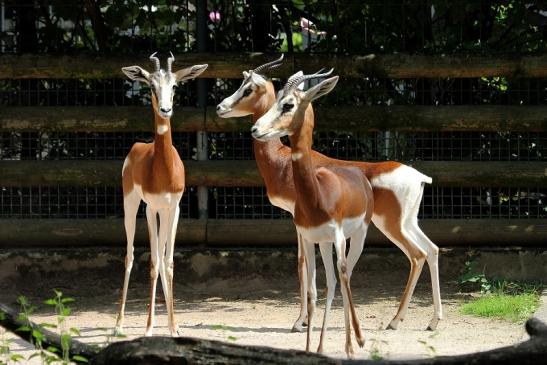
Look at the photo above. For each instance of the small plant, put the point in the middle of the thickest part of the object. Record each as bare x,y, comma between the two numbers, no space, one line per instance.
471,276
503,299
430,349
375,352
6,356
51,354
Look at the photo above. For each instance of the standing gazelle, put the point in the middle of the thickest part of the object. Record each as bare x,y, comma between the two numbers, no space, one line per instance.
154,173
332,204
397,192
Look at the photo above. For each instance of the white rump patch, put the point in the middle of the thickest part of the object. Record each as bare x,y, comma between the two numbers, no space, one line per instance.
162,129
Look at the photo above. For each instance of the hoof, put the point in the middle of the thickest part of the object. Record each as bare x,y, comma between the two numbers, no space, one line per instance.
118,332
433,325
298,328
391,327
361,342
176,332
148,333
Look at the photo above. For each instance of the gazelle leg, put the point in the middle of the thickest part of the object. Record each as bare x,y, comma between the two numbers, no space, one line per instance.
326,255
303,281
154,267
130,206
349,308
169,267
309,253
357,243
433,263
417,258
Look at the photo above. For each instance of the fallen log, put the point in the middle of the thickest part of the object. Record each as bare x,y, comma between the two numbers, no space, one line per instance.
186,350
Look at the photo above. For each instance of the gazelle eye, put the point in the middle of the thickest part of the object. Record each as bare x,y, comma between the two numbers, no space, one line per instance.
247,92
287,107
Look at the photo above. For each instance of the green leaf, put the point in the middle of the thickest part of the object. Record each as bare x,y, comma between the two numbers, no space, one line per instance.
232,338
37,335
50,302
75,331
58,293
79,358
16,357
23,329
52,349
68,300
48,325
33,355
65,312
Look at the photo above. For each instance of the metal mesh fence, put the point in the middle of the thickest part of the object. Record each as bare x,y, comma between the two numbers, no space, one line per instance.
420,26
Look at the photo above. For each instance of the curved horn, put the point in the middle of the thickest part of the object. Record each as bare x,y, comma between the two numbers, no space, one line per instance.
293,82
170,61
270,65
156,60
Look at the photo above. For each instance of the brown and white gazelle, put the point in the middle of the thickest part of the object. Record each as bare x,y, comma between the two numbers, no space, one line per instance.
331,204
154,173
397,191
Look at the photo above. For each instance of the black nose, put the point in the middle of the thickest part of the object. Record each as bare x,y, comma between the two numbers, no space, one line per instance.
253,129
164,110
218,107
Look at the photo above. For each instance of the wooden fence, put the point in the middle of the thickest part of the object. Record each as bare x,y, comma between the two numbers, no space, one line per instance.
244,173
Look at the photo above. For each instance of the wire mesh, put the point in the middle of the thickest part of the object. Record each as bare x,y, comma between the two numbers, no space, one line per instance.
48,202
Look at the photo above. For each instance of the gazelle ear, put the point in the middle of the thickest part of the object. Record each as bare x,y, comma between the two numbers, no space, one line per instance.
137,73
301,85
245,74
324,87
258,80
190,73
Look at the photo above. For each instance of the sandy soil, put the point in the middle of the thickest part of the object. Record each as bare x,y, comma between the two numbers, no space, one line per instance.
261,311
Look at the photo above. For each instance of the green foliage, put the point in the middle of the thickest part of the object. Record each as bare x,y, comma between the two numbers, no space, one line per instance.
516,308
471,276
50,354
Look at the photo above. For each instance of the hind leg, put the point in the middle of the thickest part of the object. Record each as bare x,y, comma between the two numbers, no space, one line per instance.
433,263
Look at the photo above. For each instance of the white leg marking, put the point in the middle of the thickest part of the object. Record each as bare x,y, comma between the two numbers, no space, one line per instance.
130,206
168,266
309,252
303,282
326,255
154,272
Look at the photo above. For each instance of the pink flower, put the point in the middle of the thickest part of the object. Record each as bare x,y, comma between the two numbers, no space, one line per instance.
214,16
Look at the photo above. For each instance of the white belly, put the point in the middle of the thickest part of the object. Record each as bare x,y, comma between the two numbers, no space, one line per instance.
328,231
163,200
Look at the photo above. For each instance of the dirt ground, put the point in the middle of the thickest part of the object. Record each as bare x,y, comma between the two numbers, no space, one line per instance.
259,310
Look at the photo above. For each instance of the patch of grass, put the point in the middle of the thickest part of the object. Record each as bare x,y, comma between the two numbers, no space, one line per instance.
512,307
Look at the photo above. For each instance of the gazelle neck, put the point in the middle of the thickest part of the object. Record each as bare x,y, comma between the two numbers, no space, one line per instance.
265,149
163,141
305,181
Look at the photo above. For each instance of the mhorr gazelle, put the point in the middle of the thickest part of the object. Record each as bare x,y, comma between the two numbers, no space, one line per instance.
332,203
154,173
397,192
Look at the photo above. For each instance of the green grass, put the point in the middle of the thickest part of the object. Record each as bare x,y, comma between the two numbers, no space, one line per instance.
512,307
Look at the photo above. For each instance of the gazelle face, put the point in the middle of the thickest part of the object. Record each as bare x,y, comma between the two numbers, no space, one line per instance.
285,117
278,121
162,82
244,100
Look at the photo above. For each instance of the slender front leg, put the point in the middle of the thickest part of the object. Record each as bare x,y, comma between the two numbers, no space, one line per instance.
130,206
303,283
309,253
169,268
154,259
326,255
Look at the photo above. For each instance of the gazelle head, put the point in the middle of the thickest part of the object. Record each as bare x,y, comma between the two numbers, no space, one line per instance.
244,101
162,82
280,120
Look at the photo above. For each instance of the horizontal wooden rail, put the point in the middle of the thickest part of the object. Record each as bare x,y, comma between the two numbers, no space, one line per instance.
245,173
340,118
228,232
230,65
